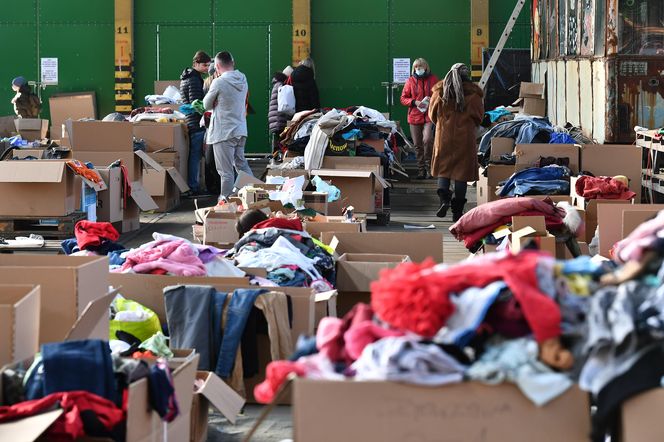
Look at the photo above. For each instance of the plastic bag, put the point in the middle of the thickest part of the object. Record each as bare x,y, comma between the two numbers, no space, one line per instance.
286,100
333,192
134,318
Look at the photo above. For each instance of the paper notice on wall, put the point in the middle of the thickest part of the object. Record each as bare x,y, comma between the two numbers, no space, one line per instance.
400,70
49,71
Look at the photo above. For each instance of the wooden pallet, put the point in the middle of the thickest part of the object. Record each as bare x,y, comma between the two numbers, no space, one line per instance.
48,227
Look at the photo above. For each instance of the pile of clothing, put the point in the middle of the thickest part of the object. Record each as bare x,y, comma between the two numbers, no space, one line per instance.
523,129
548,180
89,384
290,255
485,219
603,187
496,318
172,255
224,326
93,238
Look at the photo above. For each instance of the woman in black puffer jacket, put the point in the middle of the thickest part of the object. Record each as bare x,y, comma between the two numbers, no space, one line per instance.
276,119
305,89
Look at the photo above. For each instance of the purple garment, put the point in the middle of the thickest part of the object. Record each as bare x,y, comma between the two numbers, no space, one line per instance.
208,253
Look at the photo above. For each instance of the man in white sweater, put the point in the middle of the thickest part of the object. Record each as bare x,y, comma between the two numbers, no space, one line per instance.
227,133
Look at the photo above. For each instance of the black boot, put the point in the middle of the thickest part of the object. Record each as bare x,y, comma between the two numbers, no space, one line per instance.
444,196
457,208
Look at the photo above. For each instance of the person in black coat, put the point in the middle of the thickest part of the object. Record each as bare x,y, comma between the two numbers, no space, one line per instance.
191,89
304,86
276,119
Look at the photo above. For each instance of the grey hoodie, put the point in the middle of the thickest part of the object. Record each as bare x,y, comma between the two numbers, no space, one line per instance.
227,100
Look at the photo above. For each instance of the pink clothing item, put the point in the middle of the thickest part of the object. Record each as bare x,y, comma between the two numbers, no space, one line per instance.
365,333
603,187
640,240
329,339
276,374
491,213
175,257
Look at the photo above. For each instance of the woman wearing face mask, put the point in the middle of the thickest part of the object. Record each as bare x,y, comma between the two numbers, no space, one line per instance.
416,95
457,108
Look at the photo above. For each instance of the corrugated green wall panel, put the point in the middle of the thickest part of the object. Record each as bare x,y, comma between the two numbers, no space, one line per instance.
348,11
172,11
145,50
431,10
79,11
249,46
353,43
22,60
177,46
253,11
347,72
23,11
81,63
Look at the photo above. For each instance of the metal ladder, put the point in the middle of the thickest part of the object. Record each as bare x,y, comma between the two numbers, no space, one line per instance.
501,43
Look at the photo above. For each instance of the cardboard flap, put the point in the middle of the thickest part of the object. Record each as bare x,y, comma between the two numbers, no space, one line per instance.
343,173
221,396
29,428
32,171
178,179
244,179
141,197
524,232
94,312
502,233
149,160
535,222
325,296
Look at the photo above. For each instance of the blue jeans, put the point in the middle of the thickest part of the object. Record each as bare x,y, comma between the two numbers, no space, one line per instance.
533,174
239,308
195,155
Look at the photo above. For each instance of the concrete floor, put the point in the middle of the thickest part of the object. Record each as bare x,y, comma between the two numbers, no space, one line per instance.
413,202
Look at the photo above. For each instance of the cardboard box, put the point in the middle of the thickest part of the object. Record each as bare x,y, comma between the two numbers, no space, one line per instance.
104,159
641,420
219,227
501,146
527,155
213,392
397,412
610,222
562,252
533,106
171,136
356,271
166,158
251,195
633,219
26,153
164,185
7,126
31,129
531,228
72,106
100,136
109,201
143,423
288,173
37,188
362,189
161,85
531,90
334,224
612,160
488,185
353,163
19,322
418,245
316,201
68,284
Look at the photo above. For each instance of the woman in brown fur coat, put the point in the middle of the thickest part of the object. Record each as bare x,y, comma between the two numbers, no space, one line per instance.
457,110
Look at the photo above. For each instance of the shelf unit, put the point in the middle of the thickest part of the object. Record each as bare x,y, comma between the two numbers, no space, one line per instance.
653,156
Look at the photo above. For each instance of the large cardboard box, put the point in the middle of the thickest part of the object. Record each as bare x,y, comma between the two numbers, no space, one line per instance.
109,202
610,219
165,186
334,224
172,137
531,90
612,160
396,412
418,245
143,423
527,155
356,271
104,159
36,188
68,284
532,106
488,185
362,189
316,201
166,158
100,136
31,129
501,146
531,228
72,106
353,163
641,417
19,322
213,392
219,227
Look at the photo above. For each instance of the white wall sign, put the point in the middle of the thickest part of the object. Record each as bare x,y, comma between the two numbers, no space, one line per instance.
400,69
49,71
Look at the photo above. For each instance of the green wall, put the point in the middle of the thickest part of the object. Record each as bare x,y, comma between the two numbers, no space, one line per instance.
353,44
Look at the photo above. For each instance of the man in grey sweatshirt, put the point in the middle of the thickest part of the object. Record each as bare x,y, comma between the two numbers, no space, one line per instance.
227,133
